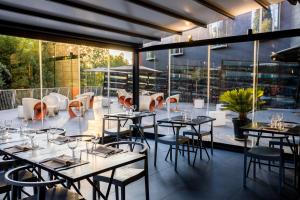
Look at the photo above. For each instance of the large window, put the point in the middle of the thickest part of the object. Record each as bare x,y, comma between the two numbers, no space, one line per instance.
266,20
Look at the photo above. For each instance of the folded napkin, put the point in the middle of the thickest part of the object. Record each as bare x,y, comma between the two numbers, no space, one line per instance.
17,149
58,162
106,151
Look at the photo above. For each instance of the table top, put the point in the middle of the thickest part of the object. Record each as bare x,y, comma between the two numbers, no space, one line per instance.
180,120
134,115
265,127
95,164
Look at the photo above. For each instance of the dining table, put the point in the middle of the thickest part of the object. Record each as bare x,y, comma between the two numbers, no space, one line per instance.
136,119
88,166
177,122
289,129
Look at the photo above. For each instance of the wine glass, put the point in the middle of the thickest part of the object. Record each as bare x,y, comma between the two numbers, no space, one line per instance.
95,141
134,107
72,144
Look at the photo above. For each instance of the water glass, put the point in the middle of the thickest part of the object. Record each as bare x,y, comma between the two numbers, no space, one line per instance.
95,141
89,147
72,144
31,135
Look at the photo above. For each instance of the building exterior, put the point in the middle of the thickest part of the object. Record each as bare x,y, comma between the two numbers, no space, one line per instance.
232,64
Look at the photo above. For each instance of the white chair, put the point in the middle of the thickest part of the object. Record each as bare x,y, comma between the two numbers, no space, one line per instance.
121,96
147,103
173,99
220,117
52,103
198,103
28,107
159,99
63,100
90,96
77,107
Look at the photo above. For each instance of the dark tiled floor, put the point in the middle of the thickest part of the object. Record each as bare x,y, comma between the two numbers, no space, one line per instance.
219,178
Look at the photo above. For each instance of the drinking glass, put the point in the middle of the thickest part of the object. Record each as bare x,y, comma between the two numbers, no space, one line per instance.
134,107
89,147
72,144
31,134
95,141
52,132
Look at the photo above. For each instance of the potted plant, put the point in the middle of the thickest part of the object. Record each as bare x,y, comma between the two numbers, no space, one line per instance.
241,102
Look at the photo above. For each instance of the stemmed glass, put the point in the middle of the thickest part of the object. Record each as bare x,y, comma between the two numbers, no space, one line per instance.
134,107
95,141
72,144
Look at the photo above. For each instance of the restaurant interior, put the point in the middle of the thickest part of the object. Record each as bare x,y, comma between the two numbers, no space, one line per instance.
136,99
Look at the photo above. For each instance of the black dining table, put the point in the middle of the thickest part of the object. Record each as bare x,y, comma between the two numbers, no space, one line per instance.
136,119
90,166
180,121
291,129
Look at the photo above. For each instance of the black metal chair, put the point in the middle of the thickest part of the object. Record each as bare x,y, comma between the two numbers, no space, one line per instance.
24,175
200,134
118,132
125,175
140,127
172,140
293,143
264,153
46,190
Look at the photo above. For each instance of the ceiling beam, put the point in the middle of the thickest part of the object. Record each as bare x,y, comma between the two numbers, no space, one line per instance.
263,3
110,13
227,40
167,11
43,33
65,19
215,8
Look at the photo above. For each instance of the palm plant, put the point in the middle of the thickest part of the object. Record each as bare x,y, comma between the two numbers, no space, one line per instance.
241,101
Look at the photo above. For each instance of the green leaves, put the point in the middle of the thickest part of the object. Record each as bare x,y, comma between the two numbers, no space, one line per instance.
240,100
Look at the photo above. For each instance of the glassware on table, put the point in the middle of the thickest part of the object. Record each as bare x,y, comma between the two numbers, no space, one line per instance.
95,141
31,135
89,147
72,144
134,107
51,132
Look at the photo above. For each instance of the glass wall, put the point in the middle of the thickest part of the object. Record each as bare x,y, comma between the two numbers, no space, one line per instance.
77,84
278,77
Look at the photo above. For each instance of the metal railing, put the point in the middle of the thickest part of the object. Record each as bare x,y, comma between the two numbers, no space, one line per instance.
11,98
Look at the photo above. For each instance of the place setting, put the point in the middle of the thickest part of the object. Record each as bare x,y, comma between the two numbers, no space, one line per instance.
65,161
93,147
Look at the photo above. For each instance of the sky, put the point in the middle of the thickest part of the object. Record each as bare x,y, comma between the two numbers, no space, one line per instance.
127,54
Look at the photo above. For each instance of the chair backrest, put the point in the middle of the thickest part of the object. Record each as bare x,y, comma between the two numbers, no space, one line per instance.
41,186
171,125
280,137
83,136
51,100
143,149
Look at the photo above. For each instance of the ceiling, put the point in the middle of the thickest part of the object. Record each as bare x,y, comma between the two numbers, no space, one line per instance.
116,23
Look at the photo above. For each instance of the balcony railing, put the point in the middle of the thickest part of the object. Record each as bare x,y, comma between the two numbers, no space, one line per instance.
11,98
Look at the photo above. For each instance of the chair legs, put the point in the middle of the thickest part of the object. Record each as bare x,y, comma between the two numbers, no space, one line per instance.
245,171
123,195
117,192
